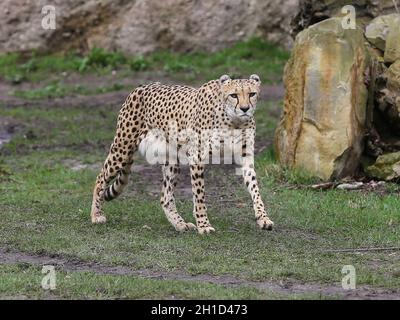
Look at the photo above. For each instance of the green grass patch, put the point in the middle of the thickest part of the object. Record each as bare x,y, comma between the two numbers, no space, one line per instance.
61,128
17,68
240,60
22,281
59,90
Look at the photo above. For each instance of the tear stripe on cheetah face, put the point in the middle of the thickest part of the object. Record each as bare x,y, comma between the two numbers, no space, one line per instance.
239,98
223,104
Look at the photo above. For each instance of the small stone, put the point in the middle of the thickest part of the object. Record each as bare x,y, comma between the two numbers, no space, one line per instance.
386,167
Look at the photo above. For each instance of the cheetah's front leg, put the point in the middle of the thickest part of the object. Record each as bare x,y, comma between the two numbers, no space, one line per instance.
250,180
199,207
167,201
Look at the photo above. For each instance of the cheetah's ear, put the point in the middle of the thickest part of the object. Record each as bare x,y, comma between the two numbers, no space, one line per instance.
255,77
224,79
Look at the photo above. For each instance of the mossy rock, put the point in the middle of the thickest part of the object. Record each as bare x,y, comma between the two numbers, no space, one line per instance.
386,167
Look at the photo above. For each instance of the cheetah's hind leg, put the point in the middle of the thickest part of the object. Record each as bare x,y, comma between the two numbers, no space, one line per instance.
116,169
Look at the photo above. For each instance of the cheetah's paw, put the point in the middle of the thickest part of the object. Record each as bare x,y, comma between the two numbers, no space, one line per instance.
265,223
183,227
206,229
98,218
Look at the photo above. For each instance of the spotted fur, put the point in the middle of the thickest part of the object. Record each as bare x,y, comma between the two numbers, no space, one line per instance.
223,104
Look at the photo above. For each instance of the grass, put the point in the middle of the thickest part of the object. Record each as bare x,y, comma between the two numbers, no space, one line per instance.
58,90
17,68
88,285
45,204
243,59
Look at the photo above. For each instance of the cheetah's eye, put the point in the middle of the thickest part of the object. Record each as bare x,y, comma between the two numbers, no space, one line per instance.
252,94
233,95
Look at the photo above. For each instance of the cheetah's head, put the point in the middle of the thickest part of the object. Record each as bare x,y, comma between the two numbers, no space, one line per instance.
240,97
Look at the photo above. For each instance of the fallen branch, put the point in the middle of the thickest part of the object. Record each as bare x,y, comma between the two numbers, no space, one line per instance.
363,249
324,186
355,185
350,186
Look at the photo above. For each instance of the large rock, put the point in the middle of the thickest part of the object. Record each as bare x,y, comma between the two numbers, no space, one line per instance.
323,120
386,167
142,26
386,118
392,49
384,33
383,135
377,31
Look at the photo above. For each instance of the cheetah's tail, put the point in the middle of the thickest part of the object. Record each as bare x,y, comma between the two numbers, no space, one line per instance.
119,184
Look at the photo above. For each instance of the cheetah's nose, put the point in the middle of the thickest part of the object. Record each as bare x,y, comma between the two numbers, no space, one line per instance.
244,109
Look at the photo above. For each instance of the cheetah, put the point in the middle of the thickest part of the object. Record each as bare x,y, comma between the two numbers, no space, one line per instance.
156,114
